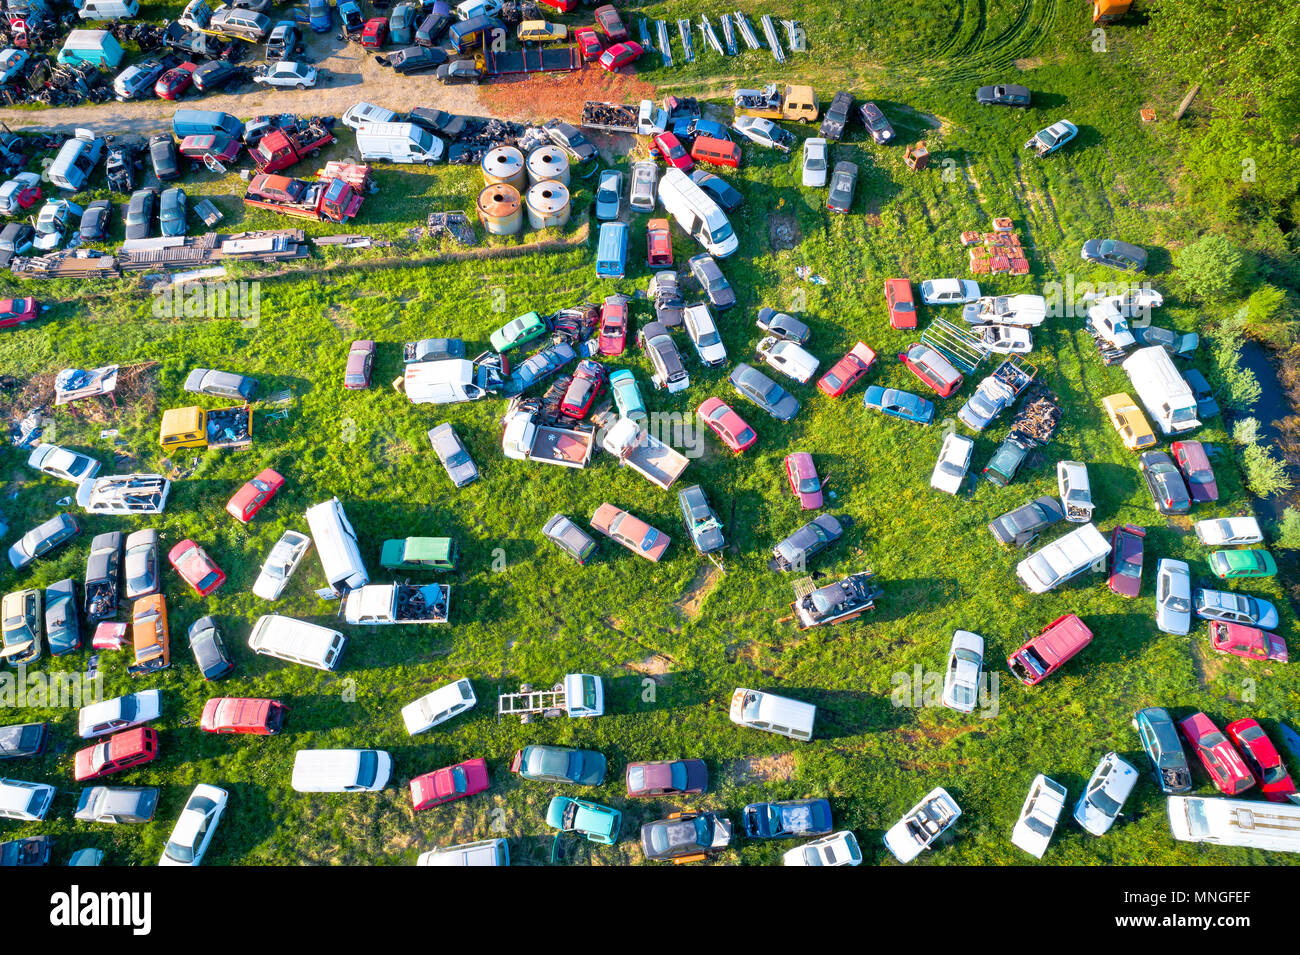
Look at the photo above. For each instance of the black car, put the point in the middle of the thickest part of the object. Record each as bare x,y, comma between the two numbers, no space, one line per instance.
96,220
459,71
165,157
809,540
570,139
209,649
783,326
877,125
220,384
706,271
837,116
717,187
216,75
432,29
438,121
15,239
844,179
1003,96
23,739
139,213
1116,254
414,59
1165,482
1023,525
103,571
34,850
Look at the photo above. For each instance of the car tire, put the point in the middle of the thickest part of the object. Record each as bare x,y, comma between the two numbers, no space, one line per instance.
300,86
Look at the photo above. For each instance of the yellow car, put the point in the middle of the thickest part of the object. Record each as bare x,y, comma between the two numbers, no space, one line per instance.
1129,421
22,627
542,32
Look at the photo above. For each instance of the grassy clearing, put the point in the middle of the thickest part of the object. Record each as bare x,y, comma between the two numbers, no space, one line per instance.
671,643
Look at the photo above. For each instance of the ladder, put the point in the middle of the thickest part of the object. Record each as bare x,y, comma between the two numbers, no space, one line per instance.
528,702
710,37
665,50
728,33
960,346
747,31
773,42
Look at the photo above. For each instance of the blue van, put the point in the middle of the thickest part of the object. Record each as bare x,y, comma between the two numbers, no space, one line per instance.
466,33
611,250
206,122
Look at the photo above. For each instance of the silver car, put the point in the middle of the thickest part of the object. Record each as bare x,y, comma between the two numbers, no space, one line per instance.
142,571
117,804
453,454
280,564
645,176
609,195
1173,597
61,463
962,678
1104,797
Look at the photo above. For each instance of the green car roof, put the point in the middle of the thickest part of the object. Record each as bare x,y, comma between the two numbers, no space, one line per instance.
418,550
1243,563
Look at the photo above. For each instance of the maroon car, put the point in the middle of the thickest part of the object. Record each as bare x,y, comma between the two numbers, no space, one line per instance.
667,777
1194,464
611,23
15,311
361,356
226,149
588,382
1263,759
1126,559
175,81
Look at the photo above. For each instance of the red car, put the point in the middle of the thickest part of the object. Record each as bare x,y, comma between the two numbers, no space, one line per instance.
374,33
248,500
1249,642
1262,757
902,307
613,325
804,482
670,149
175,81
1192,460
196,567
620,54
25,194
233,714
587,384
844,374
1220,759
588,42
932,368
1126,559
15,311
120,751
449,784
608,20
564,6
226,149
361,356
667,777
658,244
727,425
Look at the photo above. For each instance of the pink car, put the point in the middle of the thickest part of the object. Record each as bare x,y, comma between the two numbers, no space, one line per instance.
804,482
1249,642
449,783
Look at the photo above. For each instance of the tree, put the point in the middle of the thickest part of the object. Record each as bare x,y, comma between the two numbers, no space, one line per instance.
1213,267
1288,530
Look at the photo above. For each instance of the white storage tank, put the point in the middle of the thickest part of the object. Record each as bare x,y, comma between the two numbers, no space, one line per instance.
548,204
548,163
500,210
505,164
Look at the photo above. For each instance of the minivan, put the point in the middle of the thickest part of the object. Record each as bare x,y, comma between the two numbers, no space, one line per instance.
341,770
718,152
484,852
76,160
466,33
25,801
336,543
399,142
107,9
206,122
611,250
297,641
772,713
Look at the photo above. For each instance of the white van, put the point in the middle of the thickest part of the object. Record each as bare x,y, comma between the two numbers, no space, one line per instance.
25,801
1235,822
445,382
485,852
76,160
1063,558
297,641
341,770
438,707
775,714
399,142
1167,395
364,112
336,543
701,217
107,9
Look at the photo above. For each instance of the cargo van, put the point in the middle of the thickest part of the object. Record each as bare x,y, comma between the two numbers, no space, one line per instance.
701,217
1235,822
341,770
336,543
107,9
1167,395
485,852
718,152
444,382
206,122
611,250
25,801
297,641
1046,653
1066,557
98,47
467,33
399,142
76,160
773,714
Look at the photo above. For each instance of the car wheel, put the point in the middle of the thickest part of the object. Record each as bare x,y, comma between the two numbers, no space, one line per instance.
301,86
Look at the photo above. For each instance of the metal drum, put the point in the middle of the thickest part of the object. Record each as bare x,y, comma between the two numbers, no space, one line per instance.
500,210
505,164
548,205
548,163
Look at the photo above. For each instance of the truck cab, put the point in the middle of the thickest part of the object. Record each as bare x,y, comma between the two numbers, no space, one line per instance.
195,427
1046,653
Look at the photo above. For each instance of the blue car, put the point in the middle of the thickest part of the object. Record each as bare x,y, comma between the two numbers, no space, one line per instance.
1049,140
787,820
900,404
318,16
627,396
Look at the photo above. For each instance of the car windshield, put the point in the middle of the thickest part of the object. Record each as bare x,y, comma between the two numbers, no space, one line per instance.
809,485
1103,802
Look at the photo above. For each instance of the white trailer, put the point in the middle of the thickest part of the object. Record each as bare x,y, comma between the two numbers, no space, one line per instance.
638,449
527,438
1165,393
579,695
1235,822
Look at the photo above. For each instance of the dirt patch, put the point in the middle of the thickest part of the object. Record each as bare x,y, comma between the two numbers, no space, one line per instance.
1028,63
1209,665
927,119
691,602
932,736
657,665
560,94
783,232
759,769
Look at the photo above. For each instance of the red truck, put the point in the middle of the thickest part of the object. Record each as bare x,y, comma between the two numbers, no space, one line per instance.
1046,653
333,200
281,148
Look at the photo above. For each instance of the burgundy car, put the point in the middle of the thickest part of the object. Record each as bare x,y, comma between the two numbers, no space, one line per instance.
1194,464
248,500
1263,758
804,482
361,356
175,81
667,777
1126,559
196,567
587,384
726,424
611,23
613,325
1219,757
449,783
225,149
15,311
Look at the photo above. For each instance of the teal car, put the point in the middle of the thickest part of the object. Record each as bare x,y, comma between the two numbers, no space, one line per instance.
521,331
627,396
598,823
560,764
1242,563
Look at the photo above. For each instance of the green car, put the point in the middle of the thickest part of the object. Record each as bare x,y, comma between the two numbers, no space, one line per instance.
598,823
419,553
521,331
1242,563
560,764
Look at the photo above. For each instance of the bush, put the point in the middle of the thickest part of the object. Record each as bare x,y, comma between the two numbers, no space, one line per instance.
1237,385
1265,474
1288,530
1214,267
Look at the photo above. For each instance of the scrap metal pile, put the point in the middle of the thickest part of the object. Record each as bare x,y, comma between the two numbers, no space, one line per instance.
1038,417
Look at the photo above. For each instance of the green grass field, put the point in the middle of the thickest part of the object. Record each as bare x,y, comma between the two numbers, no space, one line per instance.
672,640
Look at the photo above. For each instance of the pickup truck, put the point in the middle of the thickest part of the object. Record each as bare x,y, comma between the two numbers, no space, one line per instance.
528,437
774,102
195,427
1076,491
1046,653
996,393
644,119
282,148
332,200
638,449
379,604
